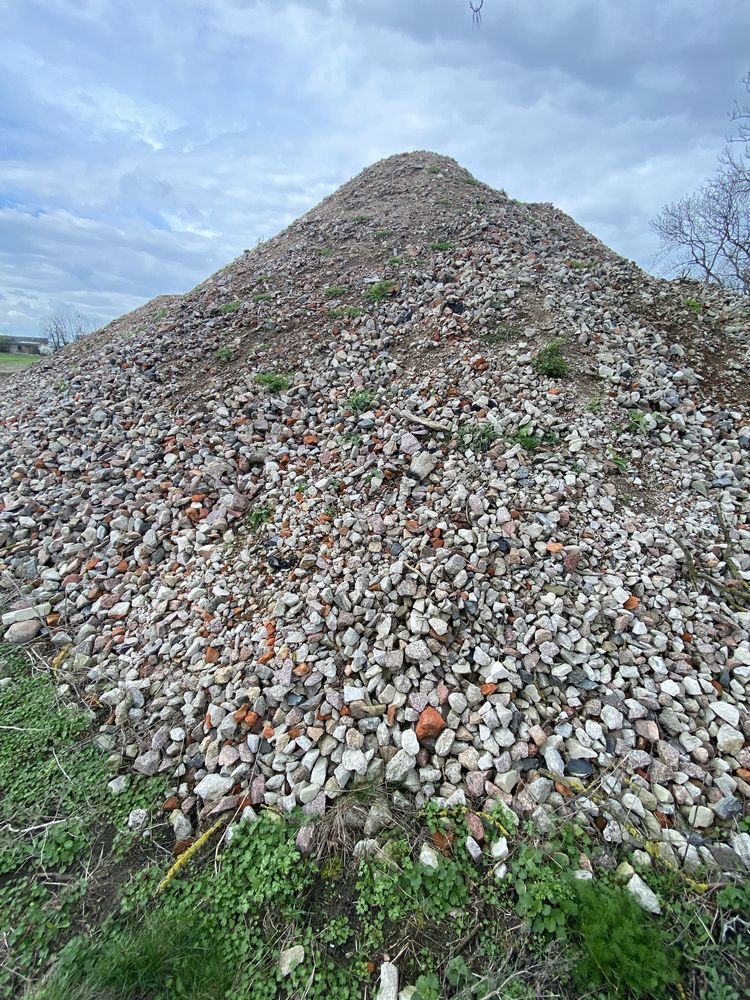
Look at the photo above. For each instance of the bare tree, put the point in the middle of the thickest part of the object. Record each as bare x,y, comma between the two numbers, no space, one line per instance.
708,233
65,326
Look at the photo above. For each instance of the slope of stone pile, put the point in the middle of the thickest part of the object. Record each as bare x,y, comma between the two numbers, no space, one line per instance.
423,561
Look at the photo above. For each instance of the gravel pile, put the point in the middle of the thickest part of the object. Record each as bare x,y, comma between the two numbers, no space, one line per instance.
410,555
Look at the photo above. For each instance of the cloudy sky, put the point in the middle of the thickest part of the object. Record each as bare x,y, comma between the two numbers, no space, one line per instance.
143,145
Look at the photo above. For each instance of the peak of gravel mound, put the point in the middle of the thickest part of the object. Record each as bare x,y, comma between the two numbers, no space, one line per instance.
431,489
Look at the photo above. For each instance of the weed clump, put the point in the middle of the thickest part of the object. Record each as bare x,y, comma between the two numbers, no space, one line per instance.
379,291
334,291
360,401
273,381
224,353
229,307
442,245
477,437
550,362
623,950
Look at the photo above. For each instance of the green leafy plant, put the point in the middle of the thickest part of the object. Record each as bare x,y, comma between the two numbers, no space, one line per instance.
224,353
442,245
361,218
334,291
530,441
550,361
382,234
325,251
258,516
623,949
263,297
578,265
393,261
159,315
594,405
230,307
273,381
434,169
694,305
637,421
360,400
618,460
352,437
477,437
379,291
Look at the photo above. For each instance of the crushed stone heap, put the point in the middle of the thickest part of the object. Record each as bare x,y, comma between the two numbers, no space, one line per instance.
325,520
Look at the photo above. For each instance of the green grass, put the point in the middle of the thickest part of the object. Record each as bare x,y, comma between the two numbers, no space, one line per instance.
159,314
19,360
224,353
393,261
263,297
361,218
442,245
594,405
230,307
550,362
434,170
464,928
694,305
273,381
334,291
325,251
379,291
60,826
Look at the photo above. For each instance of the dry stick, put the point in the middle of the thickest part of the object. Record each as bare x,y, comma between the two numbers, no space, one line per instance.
426,422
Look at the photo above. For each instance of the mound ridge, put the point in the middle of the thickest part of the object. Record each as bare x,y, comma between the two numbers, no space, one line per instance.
411,557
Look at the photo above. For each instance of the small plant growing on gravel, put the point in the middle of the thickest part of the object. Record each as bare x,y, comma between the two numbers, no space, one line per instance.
360,401
434,169
500,335
224,353
550,362
637,422
379,291
577,265
229,307
349,312
619,461
530,441
262,297
594,405
362,218
351,437
442,245
159,314
393,261
382,234
334,291
61,385
694,305
325,251
258,515
477,437
273,381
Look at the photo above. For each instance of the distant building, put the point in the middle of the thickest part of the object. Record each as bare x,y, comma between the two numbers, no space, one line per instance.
24,345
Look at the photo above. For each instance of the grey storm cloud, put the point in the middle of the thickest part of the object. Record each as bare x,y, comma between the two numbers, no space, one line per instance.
144,146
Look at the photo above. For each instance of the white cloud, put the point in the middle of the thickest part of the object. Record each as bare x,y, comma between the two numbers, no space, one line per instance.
146,146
